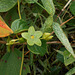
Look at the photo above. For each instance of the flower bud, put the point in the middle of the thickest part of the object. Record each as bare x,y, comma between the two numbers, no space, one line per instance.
47,36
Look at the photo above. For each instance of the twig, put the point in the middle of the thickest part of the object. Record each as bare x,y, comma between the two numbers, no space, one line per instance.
67,21
63,9
26,52
66,5
66,11
64,23
56,42
3,42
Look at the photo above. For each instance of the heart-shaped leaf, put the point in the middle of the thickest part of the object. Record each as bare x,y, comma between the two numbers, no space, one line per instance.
19,25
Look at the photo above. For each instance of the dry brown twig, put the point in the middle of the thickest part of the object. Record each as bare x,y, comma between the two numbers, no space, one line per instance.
64,22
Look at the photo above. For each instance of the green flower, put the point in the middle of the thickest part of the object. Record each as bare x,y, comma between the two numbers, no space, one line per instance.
32,36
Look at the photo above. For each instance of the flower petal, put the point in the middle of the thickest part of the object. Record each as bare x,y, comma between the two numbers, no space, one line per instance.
30,42
38,34
25,35
37,42
31,30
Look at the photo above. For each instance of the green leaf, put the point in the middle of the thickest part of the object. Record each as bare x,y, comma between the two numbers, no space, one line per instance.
71,71
68,58
65,57
62,37
72,8
47,26
6,5
38,49
10,63
31,1
10,17
49,6
19,25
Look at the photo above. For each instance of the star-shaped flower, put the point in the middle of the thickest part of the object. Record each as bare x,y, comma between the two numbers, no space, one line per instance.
32,36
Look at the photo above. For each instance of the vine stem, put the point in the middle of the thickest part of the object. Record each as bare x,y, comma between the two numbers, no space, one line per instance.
22,60
63,9
19,9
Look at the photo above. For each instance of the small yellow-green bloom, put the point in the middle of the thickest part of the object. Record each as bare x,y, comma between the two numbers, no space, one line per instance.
32,36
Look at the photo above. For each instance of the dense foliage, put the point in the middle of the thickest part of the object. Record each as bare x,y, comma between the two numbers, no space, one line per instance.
43,39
